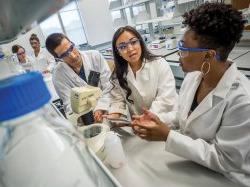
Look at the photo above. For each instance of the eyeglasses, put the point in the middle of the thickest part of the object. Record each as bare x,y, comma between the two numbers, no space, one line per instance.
123,47
21,53
68,51
184,51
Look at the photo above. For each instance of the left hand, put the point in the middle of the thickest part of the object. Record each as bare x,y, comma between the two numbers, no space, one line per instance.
98,115
149,127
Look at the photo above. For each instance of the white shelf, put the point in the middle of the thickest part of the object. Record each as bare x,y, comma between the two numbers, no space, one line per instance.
140,2
172,21
184,1
130,4
121,7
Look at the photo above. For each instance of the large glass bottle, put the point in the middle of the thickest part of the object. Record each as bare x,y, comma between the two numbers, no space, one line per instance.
38,148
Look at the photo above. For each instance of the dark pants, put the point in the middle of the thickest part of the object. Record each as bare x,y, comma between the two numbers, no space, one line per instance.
88,118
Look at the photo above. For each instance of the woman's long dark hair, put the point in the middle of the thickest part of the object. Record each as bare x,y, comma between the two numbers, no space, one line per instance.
121,65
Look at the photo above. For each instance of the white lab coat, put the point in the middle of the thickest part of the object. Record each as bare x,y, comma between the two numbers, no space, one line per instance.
217,133
44,61
153,88
64,78
28,65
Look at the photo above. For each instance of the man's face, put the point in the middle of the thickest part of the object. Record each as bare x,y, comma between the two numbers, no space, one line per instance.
68,53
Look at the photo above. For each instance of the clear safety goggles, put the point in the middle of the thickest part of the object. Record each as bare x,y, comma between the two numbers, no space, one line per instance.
68,51
184,51
123,47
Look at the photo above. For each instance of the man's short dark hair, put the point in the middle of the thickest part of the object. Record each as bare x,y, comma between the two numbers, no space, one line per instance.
53,41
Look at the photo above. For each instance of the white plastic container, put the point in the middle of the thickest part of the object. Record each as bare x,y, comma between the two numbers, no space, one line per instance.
171,43
114,151
37,148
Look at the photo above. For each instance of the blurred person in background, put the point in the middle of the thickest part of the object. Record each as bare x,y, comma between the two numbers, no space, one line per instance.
24,60
43,60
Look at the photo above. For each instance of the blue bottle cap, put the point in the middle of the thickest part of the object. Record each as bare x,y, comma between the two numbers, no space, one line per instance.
22,94
1,55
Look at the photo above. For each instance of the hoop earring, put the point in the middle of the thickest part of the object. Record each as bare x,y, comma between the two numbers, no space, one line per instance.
202,68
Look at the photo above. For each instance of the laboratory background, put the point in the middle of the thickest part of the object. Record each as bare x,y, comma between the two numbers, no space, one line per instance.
67,79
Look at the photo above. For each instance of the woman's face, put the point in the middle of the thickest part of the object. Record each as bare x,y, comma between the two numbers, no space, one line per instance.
35,44
21,55
191,61
129,47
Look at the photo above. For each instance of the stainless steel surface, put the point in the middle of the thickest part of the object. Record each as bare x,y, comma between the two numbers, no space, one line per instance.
163,51
18,15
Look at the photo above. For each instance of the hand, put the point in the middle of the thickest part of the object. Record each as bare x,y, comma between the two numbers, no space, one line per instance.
149,127
98,115
112,116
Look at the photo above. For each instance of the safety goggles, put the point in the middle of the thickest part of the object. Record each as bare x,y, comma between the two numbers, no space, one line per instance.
123,47
184,51
21,53
68,51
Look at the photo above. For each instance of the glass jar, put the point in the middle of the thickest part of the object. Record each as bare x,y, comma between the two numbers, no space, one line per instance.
38,148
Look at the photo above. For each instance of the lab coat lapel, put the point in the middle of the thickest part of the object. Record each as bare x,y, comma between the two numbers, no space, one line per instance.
86,64
71,76
203,107
188,97
216,95
136,86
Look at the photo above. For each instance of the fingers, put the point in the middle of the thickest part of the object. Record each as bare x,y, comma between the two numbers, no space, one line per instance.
98,116
146,124
142,133
136,117
140,130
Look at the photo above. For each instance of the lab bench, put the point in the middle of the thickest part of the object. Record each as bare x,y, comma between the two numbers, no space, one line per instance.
148,165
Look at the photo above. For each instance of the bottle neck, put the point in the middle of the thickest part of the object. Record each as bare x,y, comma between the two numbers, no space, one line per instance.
27,118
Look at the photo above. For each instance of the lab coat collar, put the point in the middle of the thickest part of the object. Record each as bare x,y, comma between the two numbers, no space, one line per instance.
216,95
143,71
86,63
226,82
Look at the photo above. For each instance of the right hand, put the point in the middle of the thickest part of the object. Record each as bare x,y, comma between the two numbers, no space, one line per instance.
148,126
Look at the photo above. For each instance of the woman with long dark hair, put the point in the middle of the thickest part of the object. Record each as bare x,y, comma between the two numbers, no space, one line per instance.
140,78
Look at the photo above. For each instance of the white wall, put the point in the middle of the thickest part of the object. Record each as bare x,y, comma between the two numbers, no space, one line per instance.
23,40
97,21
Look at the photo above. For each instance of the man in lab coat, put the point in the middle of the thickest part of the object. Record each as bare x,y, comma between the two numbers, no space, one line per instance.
214,100
78,69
